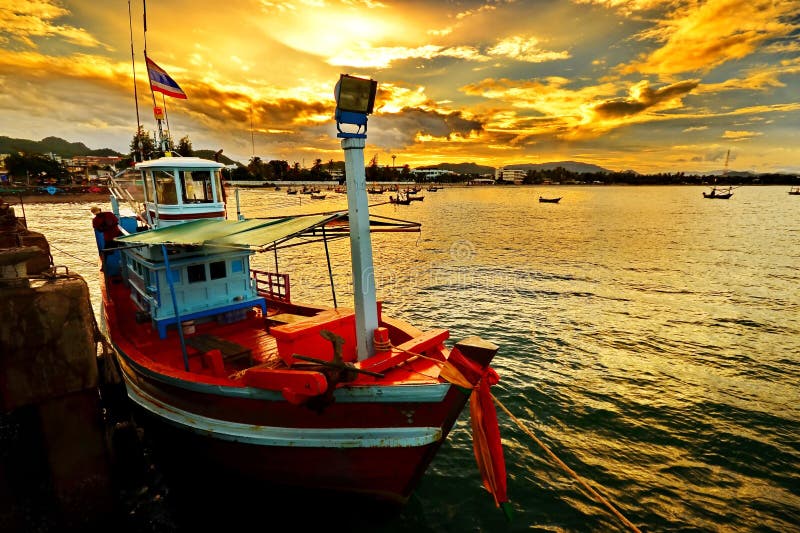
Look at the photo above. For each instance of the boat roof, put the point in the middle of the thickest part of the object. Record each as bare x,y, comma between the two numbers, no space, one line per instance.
185,162
257,233
254,233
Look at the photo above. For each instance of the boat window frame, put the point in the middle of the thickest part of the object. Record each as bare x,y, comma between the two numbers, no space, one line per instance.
164,193
193,273
149,186
214,274
198,180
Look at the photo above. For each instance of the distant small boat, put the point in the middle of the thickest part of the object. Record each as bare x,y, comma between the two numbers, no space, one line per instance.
720,193
416,198
317,196
403,200
290,190
549,200
433,188
794,190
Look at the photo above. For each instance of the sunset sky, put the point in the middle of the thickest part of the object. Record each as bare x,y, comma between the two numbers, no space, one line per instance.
644,85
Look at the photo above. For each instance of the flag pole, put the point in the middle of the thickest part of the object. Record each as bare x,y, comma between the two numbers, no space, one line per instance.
166,116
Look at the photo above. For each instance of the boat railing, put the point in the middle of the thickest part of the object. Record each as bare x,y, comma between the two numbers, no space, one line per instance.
272,285
122,194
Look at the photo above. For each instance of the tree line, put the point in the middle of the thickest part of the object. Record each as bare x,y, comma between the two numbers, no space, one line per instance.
39,169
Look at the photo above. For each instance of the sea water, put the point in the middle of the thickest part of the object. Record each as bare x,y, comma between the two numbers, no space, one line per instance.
649,337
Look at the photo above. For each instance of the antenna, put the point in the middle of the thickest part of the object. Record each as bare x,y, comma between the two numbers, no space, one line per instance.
727,158
156,110
135,92
252,137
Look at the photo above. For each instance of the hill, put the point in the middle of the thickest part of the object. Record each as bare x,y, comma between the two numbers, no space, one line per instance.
209,154
461,168
572,166
53,145
68,149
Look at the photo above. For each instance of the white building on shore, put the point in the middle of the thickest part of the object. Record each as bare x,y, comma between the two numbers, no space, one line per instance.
430,174
510,174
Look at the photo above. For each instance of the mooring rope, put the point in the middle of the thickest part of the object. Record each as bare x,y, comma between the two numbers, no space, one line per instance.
72,256
547,450
567,469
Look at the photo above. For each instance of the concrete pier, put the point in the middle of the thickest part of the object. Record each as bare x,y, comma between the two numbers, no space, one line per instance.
56,463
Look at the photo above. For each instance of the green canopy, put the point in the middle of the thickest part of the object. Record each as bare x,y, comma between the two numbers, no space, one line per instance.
257,233
254,233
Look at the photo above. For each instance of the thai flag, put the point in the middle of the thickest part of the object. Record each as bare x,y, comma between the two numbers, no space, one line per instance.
161,82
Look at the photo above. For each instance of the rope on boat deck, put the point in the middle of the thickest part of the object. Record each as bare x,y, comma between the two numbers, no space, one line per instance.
549,452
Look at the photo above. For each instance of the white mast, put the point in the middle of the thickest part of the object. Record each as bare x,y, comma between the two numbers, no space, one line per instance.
355,98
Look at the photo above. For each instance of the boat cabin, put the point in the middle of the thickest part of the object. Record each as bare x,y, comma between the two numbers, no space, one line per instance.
177,189
192,282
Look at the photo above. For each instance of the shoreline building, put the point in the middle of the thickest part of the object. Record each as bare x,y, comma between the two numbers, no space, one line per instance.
431,174
515,175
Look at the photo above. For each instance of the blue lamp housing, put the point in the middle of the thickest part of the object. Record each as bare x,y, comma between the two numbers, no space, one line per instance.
355,99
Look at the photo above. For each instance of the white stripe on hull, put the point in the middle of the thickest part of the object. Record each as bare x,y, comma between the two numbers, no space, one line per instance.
282,436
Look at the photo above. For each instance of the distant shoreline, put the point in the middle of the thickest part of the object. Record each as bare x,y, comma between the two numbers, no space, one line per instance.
60,198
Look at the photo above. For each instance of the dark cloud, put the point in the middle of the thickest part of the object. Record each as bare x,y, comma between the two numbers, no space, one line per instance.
414,121
235,106
645,98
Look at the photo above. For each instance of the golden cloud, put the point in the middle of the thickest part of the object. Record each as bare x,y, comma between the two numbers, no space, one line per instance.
740,135
627,7
524,49
31,19
698,37
758,78
575,114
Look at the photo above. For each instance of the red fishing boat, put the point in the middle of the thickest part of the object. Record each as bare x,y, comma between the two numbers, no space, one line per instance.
220,356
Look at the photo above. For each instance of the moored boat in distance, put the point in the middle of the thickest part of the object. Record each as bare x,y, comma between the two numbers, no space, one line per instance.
220,360
402,199
720,193
549,200
794,190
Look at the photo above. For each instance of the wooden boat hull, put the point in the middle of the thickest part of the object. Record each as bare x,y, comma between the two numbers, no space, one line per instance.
272,441
549,200
724,196
374,437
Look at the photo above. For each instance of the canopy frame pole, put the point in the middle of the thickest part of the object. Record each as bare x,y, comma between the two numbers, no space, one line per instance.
175,307
330,270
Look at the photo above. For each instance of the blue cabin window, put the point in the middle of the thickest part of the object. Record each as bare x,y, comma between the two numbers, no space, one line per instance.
217,270
236,266
196,273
